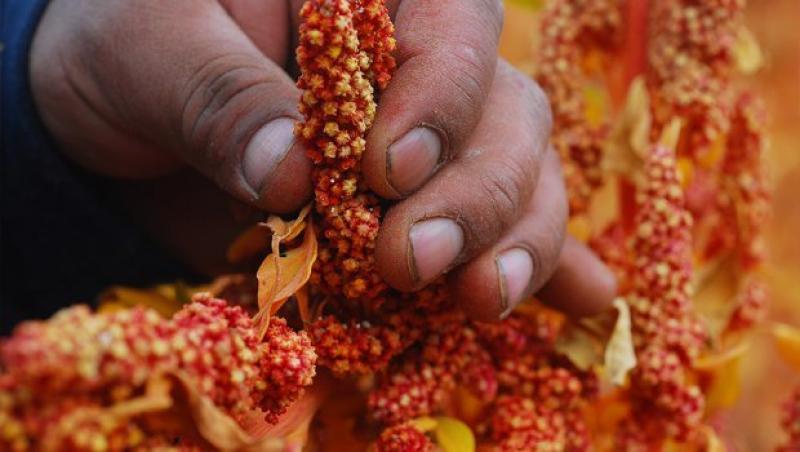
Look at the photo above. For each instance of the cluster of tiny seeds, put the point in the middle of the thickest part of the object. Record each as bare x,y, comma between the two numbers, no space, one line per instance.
661,304
690,57
418,382
571,32
518,423
791,423
355,347
663,404
345,47
403,438
375,35
286,366
744,196
511,358
751,305
89,428
667,336
344,56
551,383
61,374
443,349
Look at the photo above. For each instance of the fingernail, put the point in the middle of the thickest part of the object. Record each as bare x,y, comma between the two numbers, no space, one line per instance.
515,269
266,150
412,159
435,244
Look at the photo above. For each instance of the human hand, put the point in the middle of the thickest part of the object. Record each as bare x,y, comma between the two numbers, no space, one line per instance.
139,89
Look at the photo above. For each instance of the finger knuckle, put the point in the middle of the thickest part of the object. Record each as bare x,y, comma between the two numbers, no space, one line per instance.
504,186
495,12
219,91
467,74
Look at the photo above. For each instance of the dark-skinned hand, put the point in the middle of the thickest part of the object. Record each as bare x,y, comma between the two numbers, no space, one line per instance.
141,90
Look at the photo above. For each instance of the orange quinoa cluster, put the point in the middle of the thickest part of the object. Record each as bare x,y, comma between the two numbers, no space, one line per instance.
64,377
60,378
690,64
573,33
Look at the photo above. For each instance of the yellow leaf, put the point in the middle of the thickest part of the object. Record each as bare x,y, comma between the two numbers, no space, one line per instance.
629,140
530,4
249,244
603,340
747,53
453,435
281,274
671,134
721,377
596,102
686,171
283,231
787,340
715,287
119,298
620,356
579,342
424,424
214,426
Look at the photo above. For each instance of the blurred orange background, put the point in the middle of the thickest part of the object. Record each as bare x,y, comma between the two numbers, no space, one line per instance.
754,423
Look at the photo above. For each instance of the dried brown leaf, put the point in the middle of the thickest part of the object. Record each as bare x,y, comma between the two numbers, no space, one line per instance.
281,274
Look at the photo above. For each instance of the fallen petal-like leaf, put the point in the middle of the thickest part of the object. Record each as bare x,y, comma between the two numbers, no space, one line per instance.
217,428
604,340
747,53
453,435
281,274
629,140
620,356
253,241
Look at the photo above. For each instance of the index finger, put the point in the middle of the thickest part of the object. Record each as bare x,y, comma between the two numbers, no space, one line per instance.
446,56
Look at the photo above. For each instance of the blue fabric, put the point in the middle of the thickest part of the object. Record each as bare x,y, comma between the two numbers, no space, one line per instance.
61,241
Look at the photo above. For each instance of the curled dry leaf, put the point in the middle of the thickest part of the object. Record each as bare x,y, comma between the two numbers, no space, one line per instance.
715,288
219,430
258,238
294,423
620,356
582,342
603,341
281,274
629,140
250,243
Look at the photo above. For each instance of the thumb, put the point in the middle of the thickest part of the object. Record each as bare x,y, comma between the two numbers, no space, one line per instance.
191,80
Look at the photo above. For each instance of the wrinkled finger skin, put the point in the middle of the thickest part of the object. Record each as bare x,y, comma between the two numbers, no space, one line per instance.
146,89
